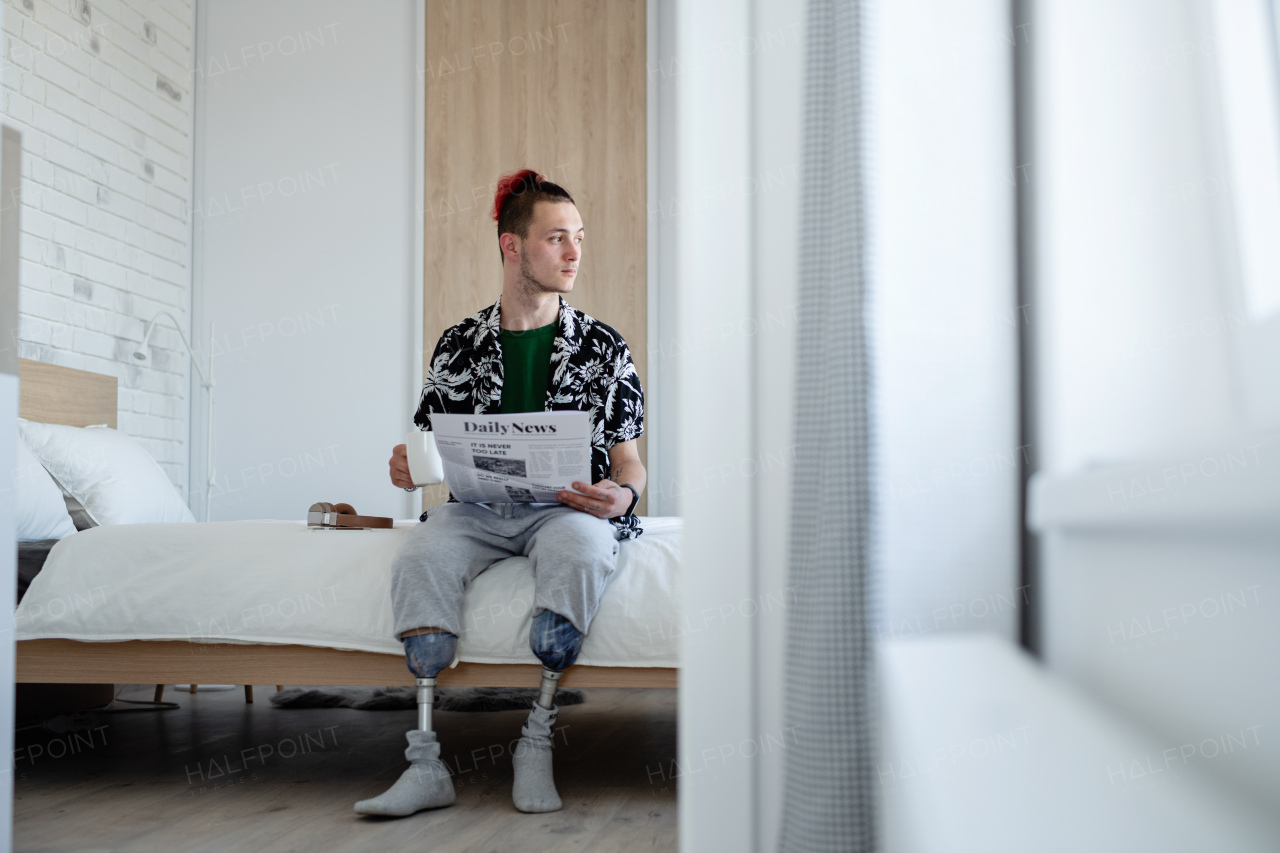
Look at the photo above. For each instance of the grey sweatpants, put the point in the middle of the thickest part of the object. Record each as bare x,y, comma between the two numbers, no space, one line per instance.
572,553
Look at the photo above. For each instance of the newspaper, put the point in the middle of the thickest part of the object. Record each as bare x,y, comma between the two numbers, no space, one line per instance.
525,458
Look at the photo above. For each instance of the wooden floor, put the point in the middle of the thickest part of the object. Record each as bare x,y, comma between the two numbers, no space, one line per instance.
218,775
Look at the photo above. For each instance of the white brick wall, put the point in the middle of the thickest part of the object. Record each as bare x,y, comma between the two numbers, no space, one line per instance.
106,194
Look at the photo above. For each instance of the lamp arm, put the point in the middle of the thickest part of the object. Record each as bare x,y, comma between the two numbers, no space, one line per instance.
146,338
210,473
205,381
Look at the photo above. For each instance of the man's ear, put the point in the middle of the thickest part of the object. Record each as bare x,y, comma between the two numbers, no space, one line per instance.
510,245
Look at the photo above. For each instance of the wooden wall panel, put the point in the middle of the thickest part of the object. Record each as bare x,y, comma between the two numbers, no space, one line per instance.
553,85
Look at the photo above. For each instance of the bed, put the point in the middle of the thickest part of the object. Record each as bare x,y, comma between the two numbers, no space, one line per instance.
157,603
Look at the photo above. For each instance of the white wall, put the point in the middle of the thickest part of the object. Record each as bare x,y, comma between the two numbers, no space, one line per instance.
10,215
777,147
716,388
661,399
305,228
943,317
103,101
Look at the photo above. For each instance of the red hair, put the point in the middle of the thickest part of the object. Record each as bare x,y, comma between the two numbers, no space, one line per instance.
509,184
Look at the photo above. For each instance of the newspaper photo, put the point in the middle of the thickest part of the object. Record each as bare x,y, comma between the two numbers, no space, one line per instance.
525,458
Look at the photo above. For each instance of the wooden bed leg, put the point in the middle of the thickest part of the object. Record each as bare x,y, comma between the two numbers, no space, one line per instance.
248,693
159,693
279,687
193,688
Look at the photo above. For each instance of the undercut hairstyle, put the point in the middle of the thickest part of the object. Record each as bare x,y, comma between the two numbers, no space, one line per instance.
516,197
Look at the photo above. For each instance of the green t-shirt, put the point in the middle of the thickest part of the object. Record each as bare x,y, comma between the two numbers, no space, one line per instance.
526,363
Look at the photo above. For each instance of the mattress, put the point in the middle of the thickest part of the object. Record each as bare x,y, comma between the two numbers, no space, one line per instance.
31,557
281,582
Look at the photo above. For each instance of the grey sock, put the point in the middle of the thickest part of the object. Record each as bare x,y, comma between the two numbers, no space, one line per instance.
535,789
425,785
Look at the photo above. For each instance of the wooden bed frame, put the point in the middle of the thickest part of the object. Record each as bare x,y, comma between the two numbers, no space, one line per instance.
61,395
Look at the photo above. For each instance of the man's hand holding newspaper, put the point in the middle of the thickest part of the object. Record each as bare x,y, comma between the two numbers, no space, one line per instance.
605,499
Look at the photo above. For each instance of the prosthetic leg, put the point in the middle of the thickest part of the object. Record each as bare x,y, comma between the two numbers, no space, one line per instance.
426,701
427,783
556,643
547,688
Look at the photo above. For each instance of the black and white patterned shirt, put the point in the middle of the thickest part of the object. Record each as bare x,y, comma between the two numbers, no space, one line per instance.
591,371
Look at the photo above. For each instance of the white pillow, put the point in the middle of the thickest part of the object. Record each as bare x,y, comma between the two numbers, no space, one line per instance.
111,474
42,513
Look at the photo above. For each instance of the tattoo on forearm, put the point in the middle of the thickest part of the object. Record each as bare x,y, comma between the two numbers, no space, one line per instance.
617,474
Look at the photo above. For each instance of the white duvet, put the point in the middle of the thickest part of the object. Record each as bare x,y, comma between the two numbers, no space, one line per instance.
280,582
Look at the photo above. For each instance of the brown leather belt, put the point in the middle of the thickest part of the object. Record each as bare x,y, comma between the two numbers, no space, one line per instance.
343,517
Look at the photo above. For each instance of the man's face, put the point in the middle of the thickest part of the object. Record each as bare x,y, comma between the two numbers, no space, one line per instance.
549,256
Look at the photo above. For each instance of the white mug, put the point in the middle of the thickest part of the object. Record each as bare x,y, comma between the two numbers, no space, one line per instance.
425,465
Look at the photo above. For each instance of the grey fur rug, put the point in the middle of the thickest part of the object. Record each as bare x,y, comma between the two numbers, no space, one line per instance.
405,698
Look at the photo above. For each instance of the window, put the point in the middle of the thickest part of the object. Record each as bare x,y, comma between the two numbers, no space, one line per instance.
1247,48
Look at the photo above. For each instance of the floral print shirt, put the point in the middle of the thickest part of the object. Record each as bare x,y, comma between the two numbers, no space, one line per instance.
591,371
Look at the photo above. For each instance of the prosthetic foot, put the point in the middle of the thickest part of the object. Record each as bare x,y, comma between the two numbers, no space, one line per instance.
427,783
535,788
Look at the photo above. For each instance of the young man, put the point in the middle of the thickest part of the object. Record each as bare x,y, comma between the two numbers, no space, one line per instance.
527,352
